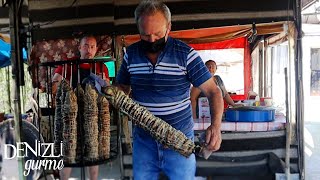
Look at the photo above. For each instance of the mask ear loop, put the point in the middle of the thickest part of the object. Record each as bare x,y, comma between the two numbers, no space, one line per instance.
165,33
168,27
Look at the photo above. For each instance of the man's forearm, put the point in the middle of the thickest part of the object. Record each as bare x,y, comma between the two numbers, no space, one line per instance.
229,100
216,109
194,107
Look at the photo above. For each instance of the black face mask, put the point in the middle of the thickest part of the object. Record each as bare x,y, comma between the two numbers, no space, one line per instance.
153,47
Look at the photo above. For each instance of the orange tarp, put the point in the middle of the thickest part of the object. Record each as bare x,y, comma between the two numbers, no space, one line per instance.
207,35
4,38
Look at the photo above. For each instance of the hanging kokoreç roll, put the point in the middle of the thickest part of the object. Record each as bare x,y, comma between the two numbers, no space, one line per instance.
69,117
80,120
65,122
58,124
104,127
91,124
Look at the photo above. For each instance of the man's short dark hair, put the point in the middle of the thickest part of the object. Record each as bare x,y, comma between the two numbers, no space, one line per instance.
149,7
212,62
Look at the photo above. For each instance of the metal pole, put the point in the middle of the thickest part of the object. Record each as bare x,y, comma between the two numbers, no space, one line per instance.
8,88
261,74
288,127
119,135
299,90
265,69
15,60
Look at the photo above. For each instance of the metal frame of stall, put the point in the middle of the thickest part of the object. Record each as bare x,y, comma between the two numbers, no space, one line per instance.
16,59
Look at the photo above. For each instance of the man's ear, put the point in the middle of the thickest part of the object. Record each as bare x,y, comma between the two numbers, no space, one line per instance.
169,26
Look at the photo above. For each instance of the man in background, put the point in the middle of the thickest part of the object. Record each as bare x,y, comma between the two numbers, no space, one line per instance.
87,49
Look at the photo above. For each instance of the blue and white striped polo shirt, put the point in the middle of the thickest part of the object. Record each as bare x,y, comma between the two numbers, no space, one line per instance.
164,88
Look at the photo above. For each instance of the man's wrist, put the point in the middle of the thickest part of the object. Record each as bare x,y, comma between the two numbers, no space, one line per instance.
216,123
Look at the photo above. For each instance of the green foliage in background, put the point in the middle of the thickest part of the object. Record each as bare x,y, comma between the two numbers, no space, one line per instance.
6,90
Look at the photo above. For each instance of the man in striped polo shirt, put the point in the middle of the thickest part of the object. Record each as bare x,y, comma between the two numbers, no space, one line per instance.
159,70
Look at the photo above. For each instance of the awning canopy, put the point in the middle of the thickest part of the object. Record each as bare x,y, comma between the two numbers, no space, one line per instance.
215,34
66,18
5,38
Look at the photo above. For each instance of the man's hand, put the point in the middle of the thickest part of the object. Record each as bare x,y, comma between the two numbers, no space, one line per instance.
238,105
213,133
213,138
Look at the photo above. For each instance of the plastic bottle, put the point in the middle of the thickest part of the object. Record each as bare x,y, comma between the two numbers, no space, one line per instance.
257,101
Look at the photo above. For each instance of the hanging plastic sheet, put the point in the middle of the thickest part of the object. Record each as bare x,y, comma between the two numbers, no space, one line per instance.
5,54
